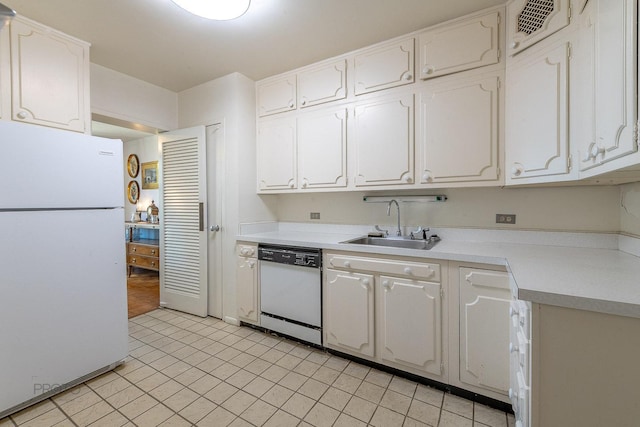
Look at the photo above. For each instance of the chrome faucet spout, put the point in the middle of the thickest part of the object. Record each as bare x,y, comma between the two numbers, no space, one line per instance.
399,231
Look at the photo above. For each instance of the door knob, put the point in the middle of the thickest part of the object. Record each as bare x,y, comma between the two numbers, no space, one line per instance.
214,228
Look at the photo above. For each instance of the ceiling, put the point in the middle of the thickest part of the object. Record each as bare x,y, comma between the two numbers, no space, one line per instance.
156,41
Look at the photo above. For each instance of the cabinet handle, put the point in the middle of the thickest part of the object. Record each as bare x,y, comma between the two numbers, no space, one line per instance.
135,249
153,251
133,260
514,45
252,264
347,264
595,150
22,115
517,170
408,271
153,263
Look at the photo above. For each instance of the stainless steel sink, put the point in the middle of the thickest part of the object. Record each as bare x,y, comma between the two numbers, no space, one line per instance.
395,242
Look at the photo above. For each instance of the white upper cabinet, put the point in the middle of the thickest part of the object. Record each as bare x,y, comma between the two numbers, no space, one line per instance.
384,141
537,111
5,73
276,95
322,149
610,27
325,83
529,21
465,45
50,77
384,66
276,154
459,129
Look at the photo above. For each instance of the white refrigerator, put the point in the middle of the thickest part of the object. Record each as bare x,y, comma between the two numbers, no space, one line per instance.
63,294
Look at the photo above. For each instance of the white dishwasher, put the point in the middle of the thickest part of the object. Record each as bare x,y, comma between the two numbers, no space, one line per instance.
291,291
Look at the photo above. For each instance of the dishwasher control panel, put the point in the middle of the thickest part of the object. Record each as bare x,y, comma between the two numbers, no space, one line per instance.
305,257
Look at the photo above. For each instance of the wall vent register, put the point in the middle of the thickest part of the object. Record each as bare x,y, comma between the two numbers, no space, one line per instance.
533,16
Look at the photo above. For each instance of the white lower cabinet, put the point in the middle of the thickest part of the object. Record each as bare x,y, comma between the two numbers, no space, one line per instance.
348,320
484,302
379,309
247,292
410,323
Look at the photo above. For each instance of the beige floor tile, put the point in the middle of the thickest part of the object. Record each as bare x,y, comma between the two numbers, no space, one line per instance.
164,391
46,419
176,421
194,358
124,397
221,392
201,342
306,368
356,370
274,373
293,381
360,409
301,351
219,417
228,353
410,422
150,356
154,416
345,420
318,356
424,412
458,405
138,406
92,413
224,371
288,361
270,341
189,376
429,395
6,422
128,366
384,417
102,379
277,395
204,384
198,410
396,402
140,374
81,402
335,398
271,355
449,419
243,345
313,389
258,413
326,375
258,386
403,386
369,391
322,416
230,339
242,360
258,350
347,383
298,405
282,419
71,394
241,378
176,369
210,364
489,416
258,366
239,402
378,378
112,387
152,381
337,363
113,419
181,399
285,346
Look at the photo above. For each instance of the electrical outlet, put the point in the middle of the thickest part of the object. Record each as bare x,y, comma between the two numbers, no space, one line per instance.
315,215
505,218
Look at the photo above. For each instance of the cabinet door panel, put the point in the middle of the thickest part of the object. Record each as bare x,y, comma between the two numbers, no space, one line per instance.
277,96
247,288
383,138
459,131
276,154
48,78
384,67
458,47
410,323
485,299
348,320
322,149
537,115
5,73
323,84
529,21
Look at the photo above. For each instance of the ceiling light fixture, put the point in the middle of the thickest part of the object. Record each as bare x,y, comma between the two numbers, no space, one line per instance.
219,10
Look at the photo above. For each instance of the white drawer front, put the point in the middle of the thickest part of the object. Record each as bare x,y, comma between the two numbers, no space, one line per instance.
425,271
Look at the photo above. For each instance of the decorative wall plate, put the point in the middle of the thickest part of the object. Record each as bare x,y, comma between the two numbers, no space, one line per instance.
133,192
133,165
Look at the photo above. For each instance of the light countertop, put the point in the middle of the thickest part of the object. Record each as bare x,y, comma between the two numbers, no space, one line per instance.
599,279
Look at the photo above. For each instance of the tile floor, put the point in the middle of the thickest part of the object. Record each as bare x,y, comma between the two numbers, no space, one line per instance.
185,370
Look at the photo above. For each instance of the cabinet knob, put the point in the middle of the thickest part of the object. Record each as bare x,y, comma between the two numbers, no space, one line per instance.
517,170
135,249
514,45
512,312
365,282
22,115
305,183
513,348
252,264
407,271
304,102
133,260
428,70
408,179
596,149
291,104
292,184
153,263
347,264
408,77
386,284
426,177
153,251
512,394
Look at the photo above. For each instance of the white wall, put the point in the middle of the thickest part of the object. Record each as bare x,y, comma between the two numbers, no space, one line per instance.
123,97
147,151
591,209
230,100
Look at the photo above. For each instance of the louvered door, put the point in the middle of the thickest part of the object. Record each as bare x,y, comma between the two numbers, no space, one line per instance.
183,240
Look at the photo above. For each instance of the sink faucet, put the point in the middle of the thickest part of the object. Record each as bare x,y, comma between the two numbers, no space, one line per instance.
399,232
